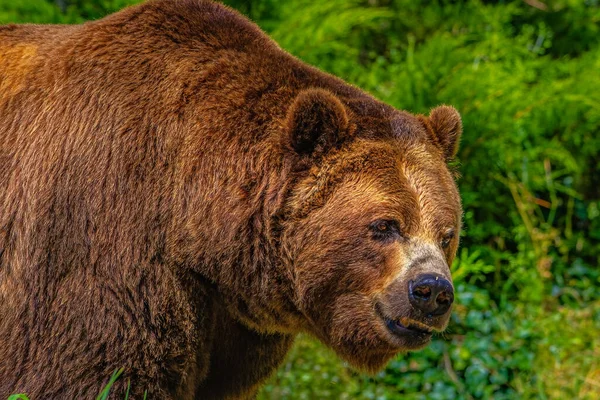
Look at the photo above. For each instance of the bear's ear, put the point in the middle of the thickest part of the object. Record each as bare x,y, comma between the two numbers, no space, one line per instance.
446,125
316,122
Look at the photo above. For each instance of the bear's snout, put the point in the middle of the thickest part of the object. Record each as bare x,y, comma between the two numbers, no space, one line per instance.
431,294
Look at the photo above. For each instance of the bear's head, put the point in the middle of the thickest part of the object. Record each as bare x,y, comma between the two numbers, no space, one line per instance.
372,224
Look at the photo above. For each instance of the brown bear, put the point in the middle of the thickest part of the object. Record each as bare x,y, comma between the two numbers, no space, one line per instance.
180,197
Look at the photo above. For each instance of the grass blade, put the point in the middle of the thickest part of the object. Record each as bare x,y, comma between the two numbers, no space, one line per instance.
106,391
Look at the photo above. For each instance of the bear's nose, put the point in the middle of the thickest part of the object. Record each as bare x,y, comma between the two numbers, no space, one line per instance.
431,294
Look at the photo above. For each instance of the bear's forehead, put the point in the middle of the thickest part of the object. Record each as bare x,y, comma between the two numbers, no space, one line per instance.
398,178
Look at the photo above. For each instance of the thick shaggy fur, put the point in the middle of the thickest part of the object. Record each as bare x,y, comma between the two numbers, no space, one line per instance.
177,198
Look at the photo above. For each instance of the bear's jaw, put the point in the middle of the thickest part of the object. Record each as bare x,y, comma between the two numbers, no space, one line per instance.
377,340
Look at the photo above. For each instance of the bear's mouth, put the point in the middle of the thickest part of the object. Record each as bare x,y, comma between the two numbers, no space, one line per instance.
405,327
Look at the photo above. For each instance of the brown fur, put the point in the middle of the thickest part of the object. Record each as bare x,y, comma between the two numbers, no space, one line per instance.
180,197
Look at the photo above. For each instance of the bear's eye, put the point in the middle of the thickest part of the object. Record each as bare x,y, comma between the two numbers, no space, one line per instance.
448,236
384,230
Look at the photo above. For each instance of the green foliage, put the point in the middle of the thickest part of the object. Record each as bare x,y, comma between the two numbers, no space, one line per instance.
103,395
59,11
524,75
18,397
33,11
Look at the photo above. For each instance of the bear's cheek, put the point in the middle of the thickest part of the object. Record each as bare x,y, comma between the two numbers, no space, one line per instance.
347,266
339,288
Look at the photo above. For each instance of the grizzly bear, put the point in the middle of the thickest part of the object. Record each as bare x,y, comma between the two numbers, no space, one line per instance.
179,197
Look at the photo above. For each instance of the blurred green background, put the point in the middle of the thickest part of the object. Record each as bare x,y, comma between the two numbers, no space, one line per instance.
526,77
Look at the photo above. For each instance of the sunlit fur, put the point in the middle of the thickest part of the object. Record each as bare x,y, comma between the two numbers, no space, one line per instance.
179,197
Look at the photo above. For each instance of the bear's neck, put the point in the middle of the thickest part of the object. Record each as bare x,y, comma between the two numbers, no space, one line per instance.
225,227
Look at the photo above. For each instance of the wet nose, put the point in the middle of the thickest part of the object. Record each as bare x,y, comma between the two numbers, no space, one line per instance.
431,294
